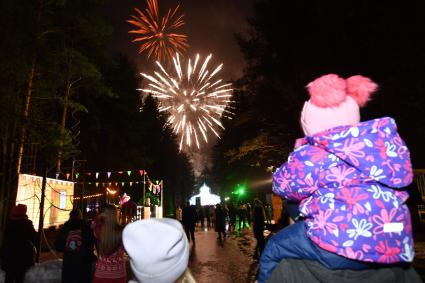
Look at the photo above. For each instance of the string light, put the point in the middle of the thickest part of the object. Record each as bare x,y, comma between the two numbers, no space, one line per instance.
89,196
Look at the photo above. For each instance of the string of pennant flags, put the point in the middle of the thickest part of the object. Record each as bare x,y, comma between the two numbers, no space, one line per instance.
107,173
110,183
156,188
152,186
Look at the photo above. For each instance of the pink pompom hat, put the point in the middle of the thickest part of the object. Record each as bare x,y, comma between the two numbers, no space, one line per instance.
334,102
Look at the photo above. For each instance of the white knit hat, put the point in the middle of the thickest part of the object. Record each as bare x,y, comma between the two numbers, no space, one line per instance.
158,249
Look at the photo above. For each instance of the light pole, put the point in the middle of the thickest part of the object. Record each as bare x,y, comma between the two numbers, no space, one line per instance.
162,194
144,188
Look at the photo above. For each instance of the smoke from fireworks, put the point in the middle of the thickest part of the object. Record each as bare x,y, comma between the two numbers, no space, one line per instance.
157,35
194,99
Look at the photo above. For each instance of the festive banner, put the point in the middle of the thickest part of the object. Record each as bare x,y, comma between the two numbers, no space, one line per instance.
108,173
110,184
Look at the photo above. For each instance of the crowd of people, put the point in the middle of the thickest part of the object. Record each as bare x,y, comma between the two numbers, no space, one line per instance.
97,251
226,219
345,186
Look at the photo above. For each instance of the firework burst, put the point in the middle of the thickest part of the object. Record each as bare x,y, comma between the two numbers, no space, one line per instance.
194,99
157,34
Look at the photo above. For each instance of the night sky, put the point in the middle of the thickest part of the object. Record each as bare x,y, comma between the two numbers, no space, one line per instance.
210,27
383,42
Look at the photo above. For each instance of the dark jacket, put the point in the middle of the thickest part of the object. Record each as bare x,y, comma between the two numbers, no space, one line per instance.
219,219
19,249
189,216
76,241
258,216
294,271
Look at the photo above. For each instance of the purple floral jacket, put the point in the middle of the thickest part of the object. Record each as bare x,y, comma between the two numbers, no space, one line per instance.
350,184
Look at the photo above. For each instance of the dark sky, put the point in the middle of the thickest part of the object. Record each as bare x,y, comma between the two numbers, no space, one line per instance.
210,27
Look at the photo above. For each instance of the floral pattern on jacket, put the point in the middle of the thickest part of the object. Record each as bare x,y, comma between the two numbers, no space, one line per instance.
350,183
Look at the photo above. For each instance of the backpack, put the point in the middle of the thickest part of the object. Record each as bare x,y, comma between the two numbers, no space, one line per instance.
74,241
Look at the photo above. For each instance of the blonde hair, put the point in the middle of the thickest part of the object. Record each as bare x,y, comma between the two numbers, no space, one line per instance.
111,231
186,277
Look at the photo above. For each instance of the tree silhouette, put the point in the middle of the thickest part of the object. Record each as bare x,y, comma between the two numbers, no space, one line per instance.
290,43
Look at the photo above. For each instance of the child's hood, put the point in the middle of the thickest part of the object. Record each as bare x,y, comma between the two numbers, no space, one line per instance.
373,147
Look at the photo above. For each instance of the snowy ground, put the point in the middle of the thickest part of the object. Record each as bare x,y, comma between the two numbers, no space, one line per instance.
229,260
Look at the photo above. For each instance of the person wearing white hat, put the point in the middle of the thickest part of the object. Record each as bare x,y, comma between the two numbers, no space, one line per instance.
158,250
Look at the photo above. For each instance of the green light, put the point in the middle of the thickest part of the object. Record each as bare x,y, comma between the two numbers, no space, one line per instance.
240,190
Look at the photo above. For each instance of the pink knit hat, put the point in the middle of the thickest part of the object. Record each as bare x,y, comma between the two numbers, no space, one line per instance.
334,102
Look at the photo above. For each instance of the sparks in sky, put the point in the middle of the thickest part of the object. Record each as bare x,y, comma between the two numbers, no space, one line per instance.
194,99
157,34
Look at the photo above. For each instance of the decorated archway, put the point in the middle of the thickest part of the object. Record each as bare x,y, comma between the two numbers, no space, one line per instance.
206,197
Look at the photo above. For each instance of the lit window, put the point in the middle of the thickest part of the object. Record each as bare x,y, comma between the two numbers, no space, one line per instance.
62,200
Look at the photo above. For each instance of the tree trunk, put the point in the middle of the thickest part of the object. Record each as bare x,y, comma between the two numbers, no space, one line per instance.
63,124
13,189
11,185
8,183
25,117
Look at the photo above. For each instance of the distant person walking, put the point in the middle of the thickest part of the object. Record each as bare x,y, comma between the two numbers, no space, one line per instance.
269,216
110,266
189,221
19,251
76,241
212,215
258,218
200,212
220,221
208,215
232,217
242,216
248,213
